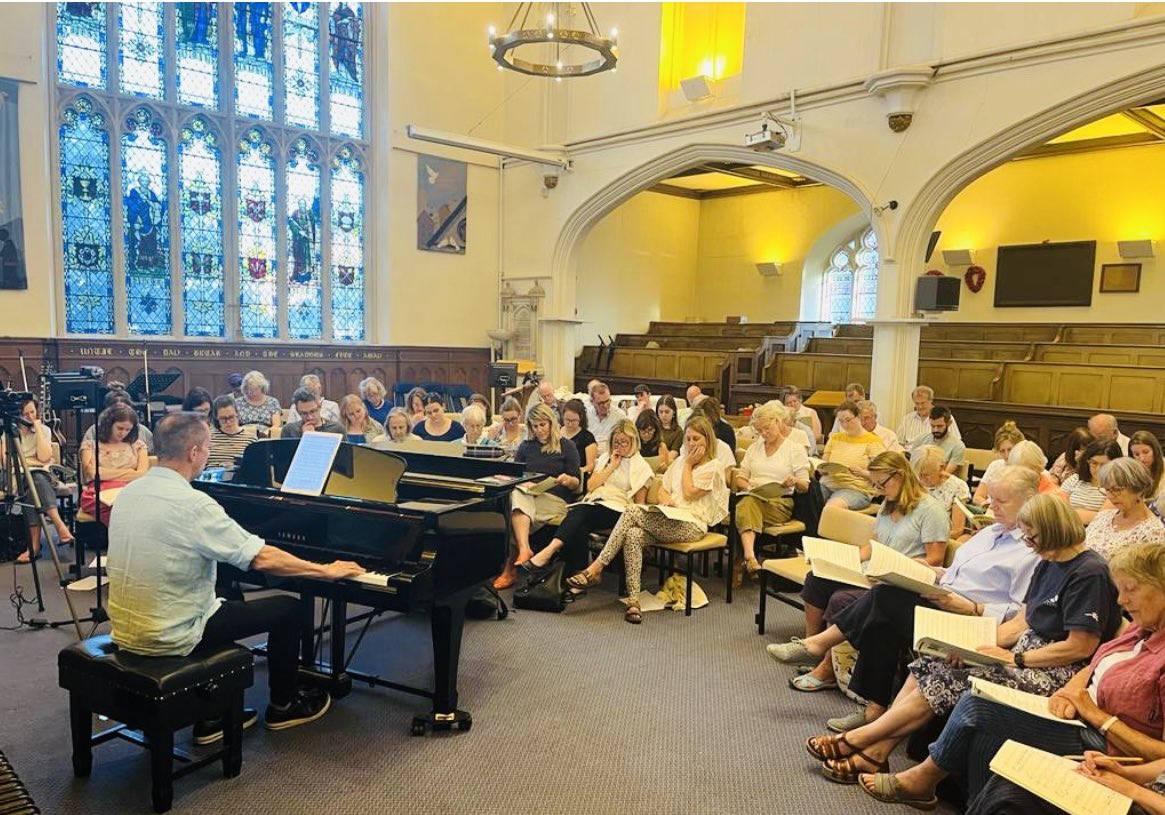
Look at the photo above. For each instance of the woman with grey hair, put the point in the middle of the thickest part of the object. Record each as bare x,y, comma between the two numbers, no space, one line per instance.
257,405
373,392
773,468
473,420
1127,484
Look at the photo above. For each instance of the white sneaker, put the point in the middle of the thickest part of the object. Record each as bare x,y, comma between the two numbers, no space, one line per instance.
792,652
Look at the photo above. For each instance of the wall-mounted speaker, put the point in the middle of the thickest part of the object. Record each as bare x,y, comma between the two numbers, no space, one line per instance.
769,269
957,257
935,293
1135,249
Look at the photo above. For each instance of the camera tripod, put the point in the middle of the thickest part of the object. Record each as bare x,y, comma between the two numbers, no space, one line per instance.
22,478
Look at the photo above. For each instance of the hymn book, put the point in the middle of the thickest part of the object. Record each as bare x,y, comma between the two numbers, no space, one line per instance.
833,560
1018,699
766,492
841,562
887,565
941,634
1055,779
538,487
977,517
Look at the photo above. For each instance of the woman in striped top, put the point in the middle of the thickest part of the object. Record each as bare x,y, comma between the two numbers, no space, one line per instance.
852,447
1082,488
228,439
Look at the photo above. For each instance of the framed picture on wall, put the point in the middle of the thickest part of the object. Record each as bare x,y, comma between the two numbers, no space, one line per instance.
1120,277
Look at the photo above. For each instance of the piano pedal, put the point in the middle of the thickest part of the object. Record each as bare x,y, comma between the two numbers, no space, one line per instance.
434,721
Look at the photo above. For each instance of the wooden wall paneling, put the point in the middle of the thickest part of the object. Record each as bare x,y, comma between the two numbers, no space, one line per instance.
1145,355
1115,334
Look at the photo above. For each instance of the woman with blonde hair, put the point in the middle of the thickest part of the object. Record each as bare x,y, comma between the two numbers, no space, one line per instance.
694,483
256,405
1028,454
929,462
509,433
1006,437
773,468
544,452
359,427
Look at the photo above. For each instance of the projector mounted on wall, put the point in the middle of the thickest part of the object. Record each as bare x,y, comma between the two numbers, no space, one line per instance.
775,133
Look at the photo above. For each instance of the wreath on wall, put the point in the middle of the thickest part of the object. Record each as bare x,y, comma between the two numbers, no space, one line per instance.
975,277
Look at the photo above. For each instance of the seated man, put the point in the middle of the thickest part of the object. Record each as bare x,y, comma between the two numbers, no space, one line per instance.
642,401
165,539
602,416
693,394
1103,427
868,415
854,392
941,437
307,406
328,409
916,424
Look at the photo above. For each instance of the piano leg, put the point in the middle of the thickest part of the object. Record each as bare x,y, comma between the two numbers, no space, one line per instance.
448,621
335,680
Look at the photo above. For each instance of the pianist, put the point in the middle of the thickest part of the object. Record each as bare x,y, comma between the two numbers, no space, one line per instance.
307,406
165,539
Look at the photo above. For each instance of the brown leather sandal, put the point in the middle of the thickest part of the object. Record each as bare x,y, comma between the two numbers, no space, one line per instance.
633,614
828,746
584,580
846,771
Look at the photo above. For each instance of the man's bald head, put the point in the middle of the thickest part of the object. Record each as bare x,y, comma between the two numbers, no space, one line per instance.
1103,427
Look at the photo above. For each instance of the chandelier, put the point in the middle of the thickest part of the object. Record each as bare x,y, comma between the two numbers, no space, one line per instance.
539,28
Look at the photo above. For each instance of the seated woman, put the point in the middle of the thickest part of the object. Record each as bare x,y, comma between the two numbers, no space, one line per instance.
486,408
695,482
777,467
257,406
574,427
122,458
544,452
1082,488
1028,454
373,392
36,445
400,426
1119,698
510,432
415,405
852,447
359,427
1066,463
198,400
620,480
1069,610
805,416
909,521
473,420
724,431
651,444
437,426
228,439
1127,484
670,432
1145,448
1006,437
930,463
799,435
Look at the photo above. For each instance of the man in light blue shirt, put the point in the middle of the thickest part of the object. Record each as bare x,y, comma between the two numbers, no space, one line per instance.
165,539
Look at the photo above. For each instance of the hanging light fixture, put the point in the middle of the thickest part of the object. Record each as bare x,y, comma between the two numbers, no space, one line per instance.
541,24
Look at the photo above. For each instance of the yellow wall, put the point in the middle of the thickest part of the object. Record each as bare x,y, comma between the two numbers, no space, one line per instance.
1106,197
638,265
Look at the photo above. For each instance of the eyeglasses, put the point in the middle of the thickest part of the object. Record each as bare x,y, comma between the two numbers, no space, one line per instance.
599,404
510,419
1112,490
1030,538
884,482
623,442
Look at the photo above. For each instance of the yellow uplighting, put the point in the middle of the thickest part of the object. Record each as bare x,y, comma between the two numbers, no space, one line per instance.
700,39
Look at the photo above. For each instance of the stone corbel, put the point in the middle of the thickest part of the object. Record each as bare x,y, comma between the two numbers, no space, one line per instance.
899,88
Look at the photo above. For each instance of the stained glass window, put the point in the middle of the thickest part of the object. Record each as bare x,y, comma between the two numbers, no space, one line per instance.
196,40
180,215
347,245
301,63
254,74
81,44
145,211
201,221
87,230
140,55
346,88
258,266
851,281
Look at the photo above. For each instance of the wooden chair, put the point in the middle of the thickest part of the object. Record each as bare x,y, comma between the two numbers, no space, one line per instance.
783,578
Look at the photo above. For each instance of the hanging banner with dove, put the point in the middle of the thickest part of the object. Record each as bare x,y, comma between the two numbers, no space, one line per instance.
12,270
441,205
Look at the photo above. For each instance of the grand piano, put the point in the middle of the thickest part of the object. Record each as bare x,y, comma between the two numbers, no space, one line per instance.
429,526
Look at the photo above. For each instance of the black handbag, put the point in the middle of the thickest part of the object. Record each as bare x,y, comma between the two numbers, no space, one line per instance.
544,591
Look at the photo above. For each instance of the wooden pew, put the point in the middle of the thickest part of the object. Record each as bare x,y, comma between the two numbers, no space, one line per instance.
1099,353
1114,334
932,349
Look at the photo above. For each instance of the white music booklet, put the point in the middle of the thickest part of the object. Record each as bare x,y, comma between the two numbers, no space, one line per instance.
1020,700
312,463
941,634
888,565
538,487
841,562
834,560
1054,778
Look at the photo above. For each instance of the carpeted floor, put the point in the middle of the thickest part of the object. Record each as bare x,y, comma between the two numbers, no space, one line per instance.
573,713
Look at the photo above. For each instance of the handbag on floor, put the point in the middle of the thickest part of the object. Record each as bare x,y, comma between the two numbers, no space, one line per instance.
544,591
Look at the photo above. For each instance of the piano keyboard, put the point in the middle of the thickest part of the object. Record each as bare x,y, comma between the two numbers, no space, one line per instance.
377,580
14,798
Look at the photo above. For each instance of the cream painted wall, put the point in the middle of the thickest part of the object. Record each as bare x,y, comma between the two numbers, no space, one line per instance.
639,264
1106,197
740,231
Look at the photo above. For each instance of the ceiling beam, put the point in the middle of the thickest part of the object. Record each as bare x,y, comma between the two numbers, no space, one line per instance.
753,174
1148,120
679,192
1088,145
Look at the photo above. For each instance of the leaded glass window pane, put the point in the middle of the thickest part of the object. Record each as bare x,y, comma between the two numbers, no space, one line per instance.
301,63
851,283
140,56
258,267
254,74
145,218
201,221
346,81
81,44
347,246
196,37
305,316
87,231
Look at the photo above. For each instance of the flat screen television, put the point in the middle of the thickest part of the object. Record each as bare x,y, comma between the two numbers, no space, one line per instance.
1045,274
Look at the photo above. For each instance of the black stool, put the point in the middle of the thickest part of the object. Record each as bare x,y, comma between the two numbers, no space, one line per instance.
158,696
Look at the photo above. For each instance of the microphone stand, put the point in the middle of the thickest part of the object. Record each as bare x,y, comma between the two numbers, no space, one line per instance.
146,371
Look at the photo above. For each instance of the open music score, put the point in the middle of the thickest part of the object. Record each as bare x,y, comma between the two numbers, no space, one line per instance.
1055,779
1018,699
887,565
940,634
841,562
834,560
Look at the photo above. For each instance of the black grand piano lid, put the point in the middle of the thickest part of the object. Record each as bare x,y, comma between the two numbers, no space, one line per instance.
358,472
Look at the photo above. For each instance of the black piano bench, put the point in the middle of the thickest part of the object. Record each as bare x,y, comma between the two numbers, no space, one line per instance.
157,696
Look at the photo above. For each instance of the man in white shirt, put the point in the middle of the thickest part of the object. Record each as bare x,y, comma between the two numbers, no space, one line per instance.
544,395
1103,427
915,425
868,415
693,395
602,416
165,539
329,410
